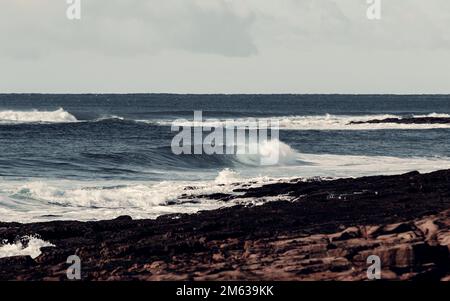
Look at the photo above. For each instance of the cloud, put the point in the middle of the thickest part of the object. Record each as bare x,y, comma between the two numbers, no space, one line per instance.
310,24
206,46
233,28
125,27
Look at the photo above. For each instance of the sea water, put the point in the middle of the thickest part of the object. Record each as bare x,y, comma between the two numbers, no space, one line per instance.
91,157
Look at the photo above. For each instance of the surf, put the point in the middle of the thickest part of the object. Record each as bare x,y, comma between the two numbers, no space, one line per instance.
35,116
327,122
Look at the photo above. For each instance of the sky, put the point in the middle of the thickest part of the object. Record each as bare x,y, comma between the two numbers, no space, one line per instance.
225,46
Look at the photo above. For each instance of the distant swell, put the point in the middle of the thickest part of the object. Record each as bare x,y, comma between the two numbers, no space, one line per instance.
324,122
35,116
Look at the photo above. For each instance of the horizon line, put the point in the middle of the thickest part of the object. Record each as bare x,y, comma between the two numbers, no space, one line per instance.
225,94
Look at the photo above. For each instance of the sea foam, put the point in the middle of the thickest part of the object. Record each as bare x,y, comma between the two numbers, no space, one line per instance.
327,122
35,116
268,149
78,200
26,246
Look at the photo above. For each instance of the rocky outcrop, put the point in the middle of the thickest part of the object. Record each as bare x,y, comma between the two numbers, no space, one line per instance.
409,250
326,232
411,120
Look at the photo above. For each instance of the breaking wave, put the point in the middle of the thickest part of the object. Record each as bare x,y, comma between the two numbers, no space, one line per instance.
66,200
312,122
35,116
270,152
80,200
25,246
319,122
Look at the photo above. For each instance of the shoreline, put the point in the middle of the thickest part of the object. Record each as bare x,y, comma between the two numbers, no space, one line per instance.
325,233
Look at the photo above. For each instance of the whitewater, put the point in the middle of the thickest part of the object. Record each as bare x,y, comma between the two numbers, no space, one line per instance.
94,157
35,116
43,200
313,122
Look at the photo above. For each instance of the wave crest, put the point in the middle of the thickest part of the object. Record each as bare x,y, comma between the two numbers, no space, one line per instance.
35,116
326,122
273,151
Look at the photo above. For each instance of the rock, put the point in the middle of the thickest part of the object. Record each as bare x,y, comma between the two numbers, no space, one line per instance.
443,238
415,120
446,278
395,228
428,228
218,257
313,238
24,261
156,265
389,275
352,232
124,218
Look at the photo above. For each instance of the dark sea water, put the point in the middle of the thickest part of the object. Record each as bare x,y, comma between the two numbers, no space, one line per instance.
91,157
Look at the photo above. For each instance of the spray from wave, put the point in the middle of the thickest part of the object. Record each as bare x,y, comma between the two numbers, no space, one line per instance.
267,151
26,246
35,116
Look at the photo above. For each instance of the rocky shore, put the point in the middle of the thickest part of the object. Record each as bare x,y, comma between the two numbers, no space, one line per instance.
326,232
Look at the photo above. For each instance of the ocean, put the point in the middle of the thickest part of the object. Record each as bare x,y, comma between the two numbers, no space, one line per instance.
94,157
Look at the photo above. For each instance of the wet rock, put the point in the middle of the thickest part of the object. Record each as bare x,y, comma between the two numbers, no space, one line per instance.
23,261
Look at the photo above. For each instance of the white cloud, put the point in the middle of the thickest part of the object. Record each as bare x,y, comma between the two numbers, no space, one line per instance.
225,46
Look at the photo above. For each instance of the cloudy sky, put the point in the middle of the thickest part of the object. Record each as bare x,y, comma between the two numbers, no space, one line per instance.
225,46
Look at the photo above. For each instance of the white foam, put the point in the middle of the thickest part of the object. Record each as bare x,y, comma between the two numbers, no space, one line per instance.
355,166
138,195
65,200
271,151
32,248
320,122
110,117
35,116
433,115
227,176
35,201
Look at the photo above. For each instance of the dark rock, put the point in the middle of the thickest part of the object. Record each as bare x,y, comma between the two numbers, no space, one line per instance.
316,237
23,261
124,218
411,120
